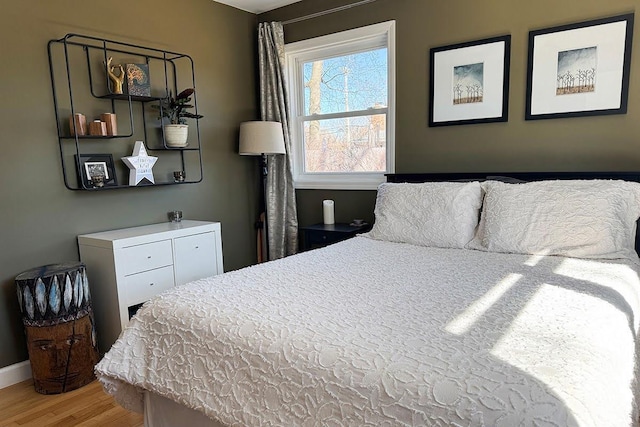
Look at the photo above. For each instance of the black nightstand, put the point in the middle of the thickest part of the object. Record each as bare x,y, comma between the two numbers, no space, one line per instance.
319,235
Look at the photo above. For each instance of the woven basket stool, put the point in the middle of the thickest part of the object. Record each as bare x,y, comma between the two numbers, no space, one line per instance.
58,322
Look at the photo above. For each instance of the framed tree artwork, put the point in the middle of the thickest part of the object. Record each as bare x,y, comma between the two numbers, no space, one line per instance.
469,82
579,69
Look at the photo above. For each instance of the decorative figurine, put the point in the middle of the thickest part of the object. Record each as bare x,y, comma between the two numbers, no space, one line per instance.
140,165
116,80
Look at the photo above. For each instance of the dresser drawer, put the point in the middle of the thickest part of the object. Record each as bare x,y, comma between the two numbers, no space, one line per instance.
319,235
325,238
195,257
139,258
138,288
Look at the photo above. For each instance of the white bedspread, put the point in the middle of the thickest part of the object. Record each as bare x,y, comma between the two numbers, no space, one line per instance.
367,332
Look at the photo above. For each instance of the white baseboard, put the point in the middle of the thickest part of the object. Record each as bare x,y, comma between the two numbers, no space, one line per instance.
13,374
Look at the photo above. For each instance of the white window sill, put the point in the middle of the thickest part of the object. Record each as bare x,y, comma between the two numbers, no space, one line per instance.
367,182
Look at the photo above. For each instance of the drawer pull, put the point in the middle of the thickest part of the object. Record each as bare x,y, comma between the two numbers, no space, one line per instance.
151,284
149,257
197,247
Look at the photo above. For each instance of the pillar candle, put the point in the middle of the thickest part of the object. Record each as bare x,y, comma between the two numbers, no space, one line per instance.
98,128
111,123
80,124
327,211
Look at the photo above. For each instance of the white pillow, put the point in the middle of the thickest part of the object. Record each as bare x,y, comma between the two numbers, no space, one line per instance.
440,214
581,218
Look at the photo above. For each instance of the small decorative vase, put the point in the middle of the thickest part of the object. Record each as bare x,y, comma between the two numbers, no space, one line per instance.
176,135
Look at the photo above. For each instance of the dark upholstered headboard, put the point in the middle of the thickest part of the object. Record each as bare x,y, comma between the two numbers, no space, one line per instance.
517,177
522,176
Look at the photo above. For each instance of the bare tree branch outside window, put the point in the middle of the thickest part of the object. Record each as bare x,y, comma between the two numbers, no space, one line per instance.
345,103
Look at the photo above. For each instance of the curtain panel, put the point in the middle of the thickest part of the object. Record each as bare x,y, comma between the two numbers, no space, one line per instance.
281,216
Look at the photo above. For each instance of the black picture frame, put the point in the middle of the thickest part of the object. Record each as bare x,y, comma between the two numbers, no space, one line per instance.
100,163
448,64
579,69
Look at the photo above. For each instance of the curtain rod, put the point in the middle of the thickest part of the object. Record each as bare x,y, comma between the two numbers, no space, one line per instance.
326,12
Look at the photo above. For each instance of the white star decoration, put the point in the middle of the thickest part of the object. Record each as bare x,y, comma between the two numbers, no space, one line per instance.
140,164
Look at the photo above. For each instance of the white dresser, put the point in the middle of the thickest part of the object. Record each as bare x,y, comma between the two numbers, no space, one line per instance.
127,267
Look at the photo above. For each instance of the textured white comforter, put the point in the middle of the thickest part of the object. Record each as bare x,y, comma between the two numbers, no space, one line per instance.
367,332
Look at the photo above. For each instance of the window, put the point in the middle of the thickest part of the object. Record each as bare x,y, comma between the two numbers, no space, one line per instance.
342,94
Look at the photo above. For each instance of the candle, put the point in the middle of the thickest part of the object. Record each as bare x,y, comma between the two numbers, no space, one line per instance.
98,128
80,124
327,211
110,121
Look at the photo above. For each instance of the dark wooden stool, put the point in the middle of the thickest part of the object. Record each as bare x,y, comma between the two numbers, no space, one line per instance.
58,321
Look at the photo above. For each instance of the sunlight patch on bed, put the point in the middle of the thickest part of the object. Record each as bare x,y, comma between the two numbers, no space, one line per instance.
604,273
562,333
618,277
465,320
534,260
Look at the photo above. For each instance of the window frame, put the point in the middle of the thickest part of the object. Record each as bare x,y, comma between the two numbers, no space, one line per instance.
333,45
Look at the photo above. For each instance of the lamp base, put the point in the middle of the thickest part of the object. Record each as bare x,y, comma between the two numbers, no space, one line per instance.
261,224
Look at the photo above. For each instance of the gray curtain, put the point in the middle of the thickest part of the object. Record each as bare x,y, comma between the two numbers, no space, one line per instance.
282,217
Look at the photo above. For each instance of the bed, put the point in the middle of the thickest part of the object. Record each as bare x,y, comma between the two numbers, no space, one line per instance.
473,301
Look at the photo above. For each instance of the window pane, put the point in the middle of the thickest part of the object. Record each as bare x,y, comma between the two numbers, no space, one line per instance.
346,83
356,144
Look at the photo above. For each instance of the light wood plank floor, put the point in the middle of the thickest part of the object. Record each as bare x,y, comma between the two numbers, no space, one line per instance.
20,405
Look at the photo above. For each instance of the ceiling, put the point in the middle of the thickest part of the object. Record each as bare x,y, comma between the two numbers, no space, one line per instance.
257,6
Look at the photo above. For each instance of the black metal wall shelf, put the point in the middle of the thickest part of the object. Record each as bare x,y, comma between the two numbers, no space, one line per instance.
141,185
124,97
93,136
77,64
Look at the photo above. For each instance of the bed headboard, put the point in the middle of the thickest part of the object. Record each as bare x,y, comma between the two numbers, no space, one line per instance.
523,176
515,177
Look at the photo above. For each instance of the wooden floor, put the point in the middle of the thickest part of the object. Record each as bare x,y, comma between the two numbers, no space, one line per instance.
20,405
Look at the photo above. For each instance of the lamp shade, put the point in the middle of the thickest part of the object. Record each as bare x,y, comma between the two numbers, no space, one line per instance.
258,138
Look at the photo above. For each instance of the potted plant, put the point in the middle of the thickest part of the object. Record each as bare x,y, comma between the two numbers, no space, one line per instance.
175,109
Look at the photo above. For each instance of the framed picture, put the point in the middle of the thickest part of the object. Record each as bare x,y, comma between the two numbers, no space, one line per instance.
579,69
470,82
96,170
138,82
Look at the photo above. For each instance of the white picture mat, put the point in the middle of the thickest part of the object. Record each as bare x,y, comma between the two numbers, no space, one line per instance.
492,55
610,42
102,165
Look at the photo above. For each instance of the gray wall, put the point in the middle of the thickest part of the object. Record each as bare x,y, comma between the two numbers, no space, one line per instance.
40,217
589,143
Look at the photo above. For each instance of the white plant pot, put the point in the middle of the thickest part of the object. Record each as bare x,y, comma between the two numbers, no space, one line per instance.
176,135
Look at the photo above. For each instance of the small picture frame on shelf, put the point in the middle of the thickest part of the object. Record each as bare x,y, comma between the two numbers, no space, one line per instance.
138,82
96,170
